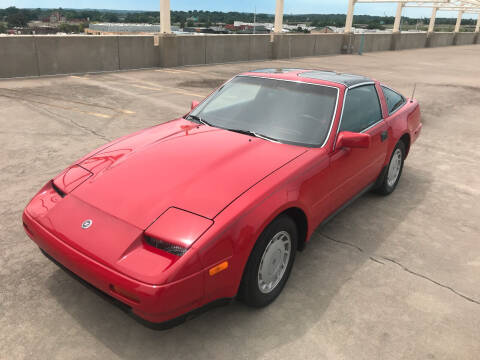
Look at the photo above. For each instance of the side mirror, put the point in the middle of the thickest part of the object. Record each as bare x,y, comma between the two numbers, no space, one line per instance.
194,104
353,140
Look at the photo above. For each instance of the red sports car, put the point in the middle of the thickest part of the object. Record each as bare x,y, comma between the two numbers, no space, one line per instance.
214,205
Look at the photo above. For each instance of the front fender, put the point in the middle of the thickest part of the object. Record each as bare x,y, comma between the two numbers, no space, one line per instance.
237,228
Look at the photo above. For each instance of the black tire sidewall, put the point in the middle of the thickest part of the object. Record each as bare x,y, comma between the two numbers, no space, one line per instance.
387,189
249,291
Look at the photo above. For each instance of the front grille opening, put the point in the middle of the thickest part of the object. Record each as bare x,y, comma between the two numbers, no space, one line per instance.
57,190
107,297
162,245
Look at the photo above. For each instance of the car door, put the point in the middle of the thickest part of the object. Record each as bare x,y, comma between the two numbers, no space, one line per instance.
353,169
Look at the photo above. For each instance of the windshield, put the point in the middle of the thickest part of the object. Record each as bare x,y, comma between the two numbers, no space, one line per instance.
285,111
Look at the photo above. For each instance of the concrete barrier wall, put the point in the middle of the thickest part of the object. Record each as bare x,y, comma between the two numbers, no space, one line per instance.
409,41
18,56
76,54
50,55
440,39
260,47
465,38
181,50
227,48
137,52
371,42
328,44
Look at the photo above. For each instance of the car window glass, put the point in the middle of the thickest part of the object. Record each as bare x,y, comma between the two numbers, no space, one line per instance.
393,99
362,109
241,93
287,111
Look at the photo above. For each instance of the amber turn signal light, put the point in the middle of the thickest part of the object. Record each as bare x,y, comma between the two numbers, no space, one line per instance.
218,268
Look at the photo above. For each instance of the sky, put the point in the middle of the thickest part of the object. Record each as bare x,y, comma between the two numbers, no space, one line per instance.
262,6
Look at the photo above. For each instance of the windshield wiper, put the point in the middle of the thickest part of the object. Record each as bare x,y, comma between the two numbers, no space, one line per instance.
253,133
198,119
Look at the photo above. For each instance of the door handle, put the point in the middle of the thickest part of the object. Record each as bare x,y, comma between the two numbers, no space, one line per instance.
384,135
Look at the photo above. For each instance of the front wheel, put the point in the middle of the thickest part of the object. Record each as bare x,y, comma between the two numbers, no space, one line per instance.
391,176
270,263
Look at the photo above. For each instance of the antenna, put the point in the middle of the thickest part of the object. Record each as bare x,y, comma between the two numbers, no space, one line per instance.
413,92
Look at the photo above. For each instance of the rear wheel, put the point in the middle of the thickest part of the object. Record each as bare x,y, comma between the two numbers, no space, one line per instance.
391,176
270,263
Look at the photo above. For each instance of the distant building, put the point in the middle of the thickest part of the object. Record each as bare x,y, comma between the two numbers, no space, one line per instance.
124,29
56,17
325,30
240,25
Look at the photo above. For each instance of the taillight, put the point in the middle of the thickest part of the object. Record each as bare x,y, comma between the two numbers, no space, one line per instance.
162,245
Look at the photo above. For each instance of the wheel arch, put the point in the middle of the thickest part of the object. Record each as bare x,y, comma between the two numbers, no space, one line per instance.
301,221
405,138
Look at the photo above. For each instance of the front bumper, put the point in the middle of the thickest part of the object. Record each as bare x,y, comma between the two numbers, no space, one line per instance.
159,306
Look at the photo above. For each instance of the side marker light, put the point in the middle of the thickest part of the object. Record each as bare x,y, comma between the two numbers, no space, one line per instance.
218,268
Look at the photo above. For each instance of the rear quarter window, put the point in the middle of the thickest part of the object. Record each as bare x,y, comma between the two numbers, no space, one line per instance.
393,99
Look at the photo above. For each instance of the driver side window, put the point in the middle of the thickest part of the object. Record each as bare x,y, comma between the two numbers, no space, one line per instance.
362,109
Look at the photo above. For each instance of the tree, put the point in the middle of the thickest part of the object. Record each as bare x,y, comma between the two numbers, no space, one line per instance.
17,19
111,17
3,29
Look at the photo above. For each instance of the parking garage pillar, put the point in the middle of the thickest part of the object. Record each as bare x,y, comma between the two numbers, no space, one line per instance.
165,27
431,26
459,21
278,17
349,20
398,17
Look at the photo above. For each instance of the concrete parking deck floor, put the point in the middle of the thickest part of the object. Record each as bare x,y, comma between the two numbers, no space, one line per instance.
388,278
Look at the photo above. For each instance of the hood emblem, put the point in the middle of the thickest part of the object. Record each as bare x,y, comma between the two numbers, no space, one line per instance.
86,224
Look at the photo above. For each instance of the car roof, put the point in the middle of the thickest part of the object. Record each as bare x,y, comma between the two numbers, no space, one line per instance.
306,75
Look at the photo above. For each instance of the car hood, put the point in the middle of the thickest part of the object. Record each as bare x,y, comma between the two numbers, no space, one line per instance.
201,169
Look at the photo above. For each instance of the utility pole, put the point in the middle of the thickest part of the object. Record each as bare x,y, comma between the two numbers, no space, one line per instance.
254,19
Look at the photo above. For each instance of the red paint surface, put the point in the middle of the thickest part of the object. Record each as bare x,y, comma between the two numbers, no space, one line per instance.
210,190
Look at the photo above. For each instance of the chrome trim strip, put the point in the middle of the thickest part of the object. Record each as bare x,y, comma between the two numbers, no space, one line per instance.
294,81
373,125
308,83
362,84
340,121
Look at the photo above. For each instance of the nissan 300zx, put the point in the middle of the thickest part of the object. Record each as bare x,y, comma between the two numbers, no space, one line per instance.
214,205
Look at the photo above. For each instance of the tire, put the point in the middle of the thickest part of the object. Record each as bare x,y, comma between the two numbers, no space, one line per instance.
268,266
391,176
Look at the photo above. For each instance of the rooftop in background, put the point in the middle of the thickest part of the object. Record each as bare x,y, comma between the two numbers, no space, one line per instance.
114,28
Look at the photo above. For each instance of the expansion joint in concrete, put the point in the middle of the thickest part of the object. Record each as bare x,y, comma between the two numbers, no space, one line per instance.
378,259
